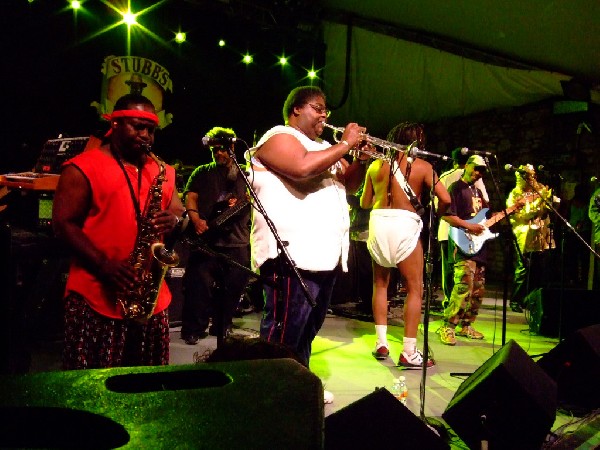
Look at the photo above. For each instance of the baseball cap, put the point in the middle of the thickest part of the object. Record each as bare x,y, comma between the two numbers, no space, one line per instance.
477,161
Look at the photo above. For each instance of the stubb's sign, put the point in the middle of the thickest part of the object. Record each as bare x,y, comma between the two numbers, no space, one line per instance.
137,75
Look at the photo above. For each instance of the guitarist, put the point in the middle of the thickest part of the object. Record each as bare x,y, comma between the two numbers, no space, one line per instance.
469,270
447,178
213,287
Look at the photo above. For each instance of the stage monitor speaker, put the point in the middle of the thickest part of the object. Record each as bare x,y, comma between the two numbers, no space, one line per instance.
257,404
548,317
376,420
575,366
509,402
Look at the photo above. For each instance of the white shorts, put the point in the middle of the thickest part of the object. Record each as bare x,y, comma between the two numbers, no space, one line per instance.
393,235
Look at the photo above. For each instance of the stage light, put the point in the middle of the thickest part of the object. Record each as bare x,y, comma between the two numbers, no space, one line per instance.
221,43
247,59
180,37
75,4
283,60
129,18
312,74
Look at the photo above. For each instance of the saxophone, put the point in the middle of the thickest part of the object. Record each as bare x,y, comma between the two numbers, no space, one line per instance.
150,258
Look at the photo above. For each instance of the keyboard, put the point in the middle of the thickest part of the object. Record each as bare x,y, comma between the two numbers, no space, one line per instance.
30,180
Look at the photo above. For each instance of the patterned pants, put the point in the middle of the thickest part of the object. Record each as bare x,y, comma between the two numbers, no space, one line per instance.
94,341
467,293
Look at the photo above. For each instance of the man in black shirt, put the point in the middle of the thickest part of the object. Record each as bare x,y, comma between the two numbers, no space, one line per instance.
217,205
469,270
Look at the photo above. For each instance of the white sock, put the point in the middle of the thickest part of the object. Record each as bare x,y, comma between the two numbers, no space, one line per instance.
410,345
381,333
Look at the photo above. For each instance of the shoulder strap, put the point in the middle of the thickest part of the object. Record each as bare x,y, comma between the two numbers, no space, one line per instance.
412,197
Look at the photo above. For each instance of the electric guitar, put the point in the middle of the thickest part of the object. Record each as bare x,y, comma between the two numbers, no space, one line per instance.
222,212
217,222
470,244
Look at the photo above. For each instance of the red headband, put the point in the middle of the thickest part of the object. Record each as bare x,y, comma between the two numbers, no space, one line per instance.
138,113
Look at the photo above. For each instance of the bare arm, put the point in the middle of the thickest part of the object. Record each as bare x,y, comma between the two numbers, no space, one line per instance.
175,206
284,154
191,204
366,199
166,220
70,208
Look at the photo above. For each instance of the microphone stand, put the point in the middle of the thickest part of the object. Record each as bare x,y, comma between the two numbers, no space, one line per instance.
428,293
281,246
507,258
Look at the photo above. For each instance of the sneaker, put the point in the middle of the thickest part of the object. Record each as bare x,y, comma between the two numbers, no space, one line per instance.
469,332
381,351
414,361
447,335
327,397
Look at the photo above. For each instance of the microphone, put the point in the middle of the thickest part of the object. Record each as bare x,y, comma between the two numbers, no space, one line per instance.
208,141
511,168
414,152
468,151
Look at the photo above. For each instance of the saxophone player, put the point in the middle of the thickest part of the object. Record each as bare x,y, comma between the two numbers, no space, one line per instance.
99,206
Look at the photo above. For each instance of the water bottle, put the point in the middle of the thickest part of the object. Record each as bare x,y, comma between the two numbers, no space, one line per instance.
400,390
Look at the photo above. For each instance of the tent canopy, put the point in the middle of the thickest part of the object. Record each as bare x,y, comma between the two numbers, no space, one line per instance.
384,61
423,60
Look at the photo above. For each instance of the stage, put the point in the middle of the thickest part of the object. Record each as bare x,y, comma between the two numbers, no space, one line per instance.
342,359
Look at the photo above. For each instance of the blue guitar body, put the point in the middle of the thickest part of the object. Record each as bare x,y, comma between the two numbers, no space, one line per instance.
471,244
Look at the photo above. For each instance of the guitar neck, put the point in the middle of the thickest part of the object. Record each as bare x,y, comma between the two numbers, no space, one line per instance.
499,216
228,213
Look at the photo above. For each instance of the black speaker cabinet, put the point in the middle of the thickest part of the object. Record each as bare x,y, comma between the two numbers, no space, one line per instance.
575,366
509,402
258,404
174,279
375,421
553,310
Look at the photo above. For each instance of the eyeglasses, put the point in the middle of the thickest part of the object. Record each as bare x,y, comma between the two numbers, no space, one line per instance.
218,148
320,109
